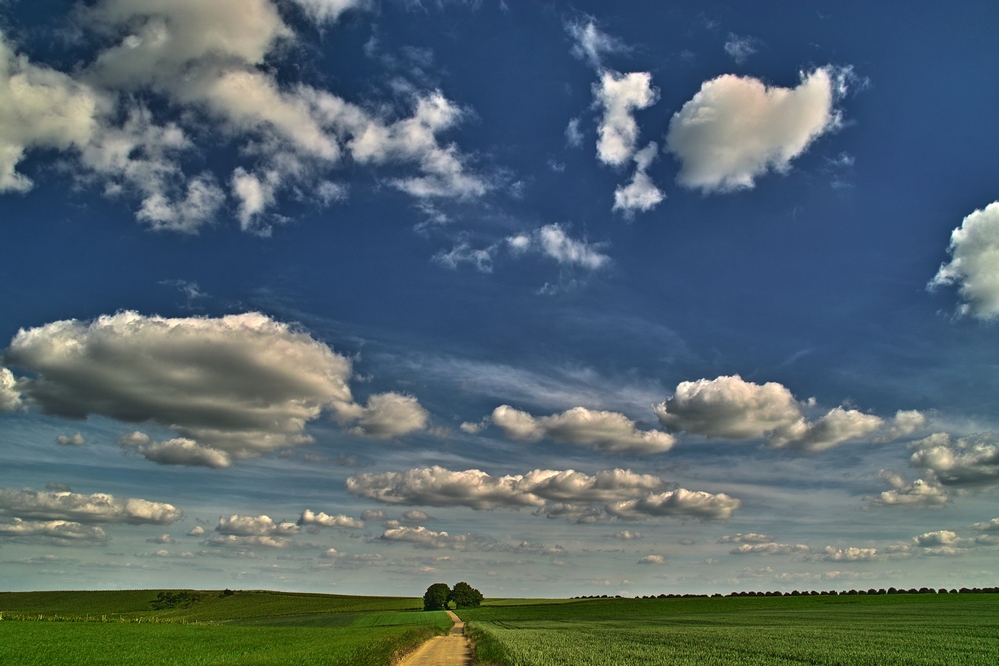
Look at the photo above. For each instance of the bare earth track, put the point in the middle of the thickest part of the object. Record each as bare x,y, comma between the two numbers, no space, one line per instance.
451,650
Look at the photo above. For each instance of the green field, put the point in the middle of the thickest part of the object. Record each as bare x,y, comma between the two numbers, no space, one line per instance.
864,630
189,627
259,628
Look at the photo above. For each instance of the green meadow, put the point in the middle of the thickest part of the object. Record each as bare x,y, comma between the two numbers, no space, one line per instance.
259,628
944,629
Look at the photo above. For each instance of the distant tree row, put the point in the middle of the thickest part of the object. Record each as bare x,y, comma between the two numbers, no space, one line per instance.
806,593
439,595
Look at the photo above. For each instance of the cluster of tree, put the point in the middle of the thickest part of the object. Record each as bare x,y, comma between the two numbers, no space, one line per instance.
176,599
439,595
805,593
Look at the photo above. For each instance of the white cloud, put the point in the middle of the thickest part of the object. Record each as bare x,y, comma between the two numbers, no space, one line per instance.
328,11
10,397
62,532
680,503
851,554
641,194
207,60
95,508
42,108
176,451
415,516
196,531
591,42
769,549
373,514
740,48
735,128
553,241
628,535
323,520
989,526
599,430
918,494
463,253
437,486
974,264
566,494
163,538
620,95
751,537
573,135
731,408
232,387
942,542
255,526
388,415
653,559
421,537
76,439
969,462
233,541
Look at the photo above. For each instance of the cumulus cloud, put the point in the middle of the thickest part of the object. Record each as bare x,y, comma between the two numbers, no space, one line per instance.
388,415
988,526
680,503
415,516
641,194
421,537
974,264
10,397
76,439
628,535
599,430
752,537
207,60
942,542
196,531
232,387
75,507
42,108
554,242
735,129
918,494
969,462
373,514
323,520
163,538
565,494
242,542
653,559
851,554
769,549
729,407
437,486
176,451
58,532
619,96
246,526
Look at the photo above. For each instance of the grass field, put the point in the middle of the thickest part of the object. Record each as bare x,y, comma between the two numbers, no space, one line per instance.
255,628
863,630
259,628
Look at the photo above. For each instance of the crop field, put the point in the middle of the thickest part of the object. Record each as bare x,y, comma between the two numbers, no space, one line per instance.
199,628
875,630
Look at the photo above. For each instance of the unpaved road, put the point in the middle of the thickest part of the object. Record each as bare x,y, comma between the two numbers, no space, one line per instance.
451,650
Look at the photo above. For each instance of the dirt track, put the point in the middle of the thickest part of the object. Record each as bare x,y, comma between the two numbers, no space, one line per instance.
451,650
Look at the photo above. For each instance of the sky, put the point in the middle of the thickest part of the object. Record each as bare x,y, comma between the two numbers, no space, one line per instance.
558,299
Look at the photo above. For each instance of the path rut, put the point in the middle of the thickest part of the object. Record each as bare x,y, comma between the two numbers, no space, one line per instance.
451,650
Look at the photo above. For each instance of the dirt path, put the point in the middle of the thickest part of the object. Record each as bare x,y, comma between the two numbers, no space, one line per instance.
451,650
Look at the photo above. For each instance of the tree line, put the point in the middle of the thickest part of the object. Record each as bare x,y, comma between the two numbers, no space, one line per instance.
439,595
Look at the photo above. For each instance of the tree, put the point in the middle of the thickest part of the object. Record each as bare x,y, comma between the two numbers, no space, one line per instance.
465,596
436,597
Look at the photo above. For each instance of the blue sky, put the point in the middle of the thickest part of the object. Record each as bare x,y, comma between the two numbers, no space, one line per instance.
358,296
